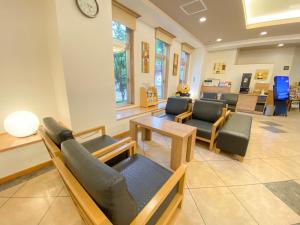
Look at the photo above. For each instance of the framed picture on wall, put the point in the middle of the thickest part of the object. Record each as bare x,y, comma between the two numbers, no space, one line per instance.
219,68
145,57
175,64
261,74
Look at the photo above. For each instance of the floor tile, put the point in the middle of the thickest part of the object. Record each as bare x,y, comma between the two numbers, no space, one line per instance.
199,174
232,173
264,206
189,214
263,171
62,211
21,211
218,206
286,166
288,192
2,201
10,188
64,192
47,184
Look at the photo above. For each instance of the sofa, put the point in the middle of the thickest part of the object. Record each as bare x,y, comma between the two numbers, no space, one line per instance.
207,117
137,190
176,107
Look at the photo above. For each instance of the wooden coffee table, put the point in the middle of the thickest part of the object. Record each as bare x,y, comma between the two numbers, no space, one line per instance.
183,136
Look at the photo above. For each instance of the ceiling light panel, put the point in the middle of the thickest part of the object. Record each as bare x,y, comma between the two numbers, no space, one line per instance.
193,7
260,13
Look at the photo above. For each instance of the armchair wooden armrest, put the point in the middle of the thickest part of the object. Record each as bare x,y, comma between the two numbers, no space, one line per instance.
111,147
101,130
181,117
152,206
227,114
130,147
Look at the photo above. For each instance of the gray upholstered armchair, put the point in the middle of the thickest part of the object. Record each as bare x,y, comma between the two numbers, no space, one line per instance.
231,100
176,107
136,191
207,117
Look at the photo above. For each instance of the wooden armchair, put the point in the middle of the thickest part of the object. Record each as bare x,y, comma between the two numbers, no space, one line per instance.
116,193
208,117
54,133
176,107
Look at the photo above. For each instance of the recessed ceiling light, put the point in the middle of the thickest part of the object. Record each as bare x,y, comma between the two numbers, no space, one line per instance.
202,19
219,40
263,33
280,45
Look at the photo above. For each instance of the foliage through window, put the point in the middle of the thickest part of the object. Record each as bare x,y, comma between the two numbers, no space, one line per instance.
160,67
121,53
184,65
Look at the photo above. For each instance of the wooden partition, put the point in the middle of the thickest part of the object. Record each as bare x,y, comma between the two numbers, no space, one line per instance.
214,89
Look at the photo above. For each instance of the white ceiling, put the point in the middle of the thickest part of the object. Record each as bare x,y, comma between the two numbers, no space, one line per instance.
226,19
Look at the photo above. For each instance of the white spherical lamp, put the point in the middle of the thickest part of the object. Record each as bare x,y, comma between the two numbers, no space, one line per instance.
21,124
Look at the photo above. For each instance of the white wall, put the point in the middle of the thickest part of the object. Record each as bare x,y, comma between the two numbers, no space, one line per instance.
86,46
295,71
144,33
280,57
25,79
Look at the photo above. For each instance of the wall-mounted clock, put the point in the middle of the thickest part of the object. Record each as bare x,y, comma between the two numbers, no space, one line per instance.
89,8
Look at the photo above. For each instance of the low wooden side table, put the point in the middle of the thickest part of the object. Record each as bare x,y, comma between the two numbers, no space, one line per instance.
183,136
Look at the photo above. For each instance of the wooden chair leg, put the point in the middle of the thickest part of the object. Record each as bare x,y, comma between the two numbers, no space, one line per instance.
217,150
241,158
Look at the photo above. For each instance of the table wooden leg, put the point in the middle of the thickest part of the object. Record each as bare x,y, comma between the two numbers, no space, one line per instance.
191,147
133,131
178,152
146,134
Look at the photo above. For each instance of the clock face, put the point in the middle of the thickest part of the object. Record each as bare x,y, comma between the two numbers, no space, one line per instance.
89,8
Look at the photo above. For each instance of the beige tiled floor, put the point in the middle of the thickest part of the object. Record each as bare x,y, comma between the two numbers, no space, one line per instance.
219,190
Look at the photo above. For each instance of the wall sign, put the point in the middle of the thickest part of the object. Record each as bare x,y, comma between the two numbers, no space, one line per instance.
145,57
175,64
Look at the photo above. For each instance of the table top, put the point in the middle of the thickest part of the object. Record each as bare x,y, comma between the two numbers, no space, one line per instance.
8,142
164,126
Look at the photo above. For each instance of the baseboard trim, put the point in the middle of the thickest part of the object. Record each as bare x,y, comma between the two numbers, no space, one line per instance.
25,172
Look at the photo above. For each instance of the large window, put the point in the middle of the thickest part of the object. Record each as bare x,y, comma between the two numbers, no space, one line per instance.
161,68
121,51
184,65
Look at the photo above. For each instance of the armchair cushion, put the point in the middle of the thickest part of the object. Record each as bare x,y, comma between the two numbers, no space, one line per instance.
177,105
230,98
98,143
144,179
56,132
208,111
210,95
170,117
204,128
105,185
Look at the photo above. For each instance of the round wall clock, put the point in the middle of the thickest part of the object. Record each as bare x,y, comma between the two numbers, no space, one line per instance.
89,8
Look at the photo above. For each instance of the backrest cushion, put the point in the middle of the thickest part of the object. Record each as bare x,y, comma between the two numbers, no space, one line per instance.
56,132
230,98
105,185
177,105
209,111
210,95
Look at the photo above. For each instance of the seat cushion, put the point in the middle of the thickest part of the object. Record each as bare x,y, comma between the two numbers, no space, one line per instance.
166,116
98,143
230,98
56,132
144,179
210,95
235,134
203,127
105,185
177,105
209,111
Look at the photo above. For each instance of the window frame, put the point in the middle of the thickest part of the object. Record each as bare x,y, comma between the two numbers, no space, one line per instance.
129,68
166,59
186,67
